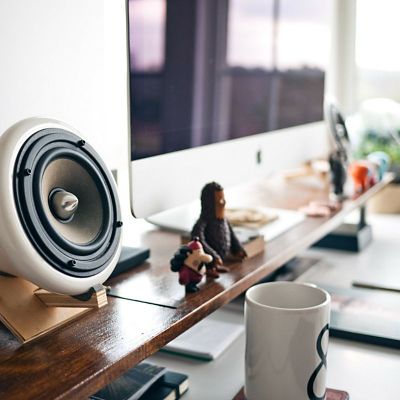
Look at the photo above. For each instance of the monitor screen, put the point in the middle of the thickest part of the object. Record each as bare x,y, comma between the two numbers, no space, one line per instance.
207,71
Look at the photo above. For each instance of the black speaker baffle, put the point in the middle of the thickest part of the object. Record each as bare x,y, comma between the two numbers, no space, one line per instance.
72,257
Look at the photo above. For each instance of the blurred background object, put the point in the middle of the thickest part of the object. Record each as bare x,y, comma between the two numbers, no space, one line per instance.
375,132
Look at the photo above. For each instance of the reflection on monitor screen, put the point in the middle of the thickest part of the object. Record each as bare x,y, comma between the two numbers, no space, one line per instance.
208,71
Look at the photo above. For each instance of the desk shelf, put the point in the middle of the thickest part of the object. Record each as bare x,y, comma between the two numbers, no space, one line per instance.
82,357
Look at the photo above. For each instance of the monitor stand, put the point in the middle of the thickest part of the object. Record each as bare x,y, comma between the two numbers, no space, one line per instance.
181,220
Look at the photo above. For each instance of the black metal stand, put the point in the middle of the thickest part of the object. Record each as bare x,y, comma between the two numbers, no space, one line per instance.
349,237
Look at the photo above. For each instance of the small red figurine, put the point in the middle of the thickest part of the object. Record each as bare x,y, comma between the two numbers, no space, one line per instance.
214,230
360,174
189,261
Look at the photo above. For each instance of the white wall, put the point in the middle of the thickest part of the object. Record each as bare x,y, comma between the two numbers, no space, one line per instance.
341,77
59,59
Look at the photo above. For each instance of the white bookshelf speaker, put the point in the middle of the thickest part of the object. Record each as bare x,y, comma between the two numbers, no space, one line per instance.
60,219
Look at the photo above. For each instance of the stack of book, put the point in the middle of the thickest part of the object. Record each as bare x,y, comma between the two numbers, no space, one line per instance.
145,382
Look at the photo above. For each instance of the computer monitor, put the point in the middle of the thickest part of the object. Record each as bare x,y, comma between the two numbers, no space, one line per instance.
224,90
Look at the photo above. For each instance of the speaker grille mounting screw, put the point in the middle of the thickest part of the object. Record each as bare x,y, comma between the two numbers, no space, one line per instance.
72,263
119,224
81,143
28,172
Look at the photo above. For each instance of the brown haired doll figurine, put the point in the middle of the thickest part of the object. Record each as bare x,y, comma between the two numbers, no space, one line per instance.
214,230
189,261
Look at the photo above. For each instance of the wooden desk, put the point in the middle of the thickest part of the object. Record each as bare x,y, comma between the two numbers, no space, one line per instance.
82,357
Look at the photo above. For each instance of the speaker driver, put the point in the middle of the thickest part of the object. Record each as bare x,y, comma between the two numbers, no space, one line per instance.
67,206
72,206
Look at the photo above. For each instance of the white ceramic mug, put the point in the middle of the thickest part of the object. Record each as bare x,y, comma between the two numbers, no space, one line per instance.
287,328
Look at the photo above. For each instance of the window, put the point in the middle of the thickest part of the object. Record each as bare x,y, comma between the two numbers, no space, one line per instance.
377,54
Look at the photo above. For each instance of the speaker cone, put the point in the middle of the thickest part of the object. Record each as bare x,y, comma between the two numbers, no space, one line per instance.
66,202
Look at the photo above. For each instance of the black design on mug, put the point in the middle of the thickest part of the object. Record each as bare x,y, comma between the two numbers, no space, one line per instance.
322,356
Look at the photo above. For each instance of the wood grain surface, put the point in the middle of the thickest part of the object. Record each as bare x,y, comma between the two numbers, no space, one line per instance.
82,357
